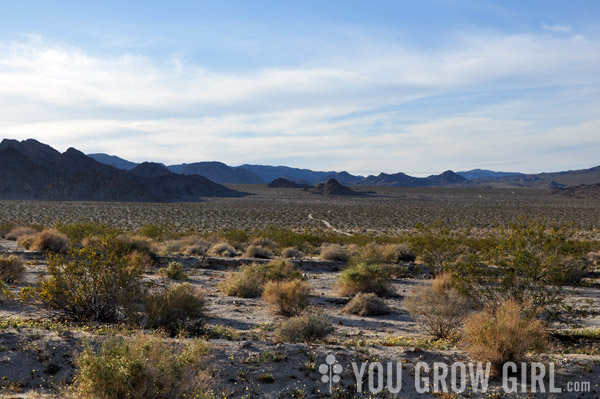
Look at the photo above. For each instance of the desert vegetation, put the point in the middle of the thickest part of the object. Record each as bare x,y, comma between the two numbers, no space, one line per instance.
262,299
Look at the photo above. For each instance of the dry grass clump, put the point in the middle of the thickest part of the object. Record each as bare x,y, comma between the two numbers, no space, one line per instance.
136,243
365,278
288,297
46,240
5,228
142,367
502,335
250,280
366,305
292,253
140,261
20,231
333,252
223,250
308,327
174,271
264,242
384,253
177,308
190,245
11,269
439,309
254,251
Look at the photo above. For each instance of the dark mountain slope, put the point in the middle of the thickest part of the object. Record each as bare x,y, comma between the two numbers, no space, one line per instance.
482,173
218,172
545,180
113,160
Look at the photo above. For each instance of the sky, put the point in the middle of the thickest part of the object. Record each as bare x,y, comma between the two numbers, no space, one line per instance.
373,86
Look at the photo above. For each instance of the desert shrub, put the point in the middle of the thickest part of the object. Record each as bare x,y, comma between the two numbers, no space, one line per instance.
288,297
292,253
140,261
438,246
191,245
176,309
383,253
250,280
333,252
136,244
365,278
92,283
503,334
258,252
142,367
264,242
155,231
307,327
20,231
4,291
366,305
439,309
79,230
285,237
530,264
174,271
222,249
5,228
11,268
47,240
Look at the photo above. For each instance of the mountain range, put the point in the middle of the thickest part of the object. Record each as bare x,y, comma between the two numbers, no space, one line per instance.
32,170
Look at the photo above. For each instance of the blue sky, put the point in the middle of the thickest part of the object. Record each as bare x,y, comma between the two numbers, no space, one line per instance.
411,86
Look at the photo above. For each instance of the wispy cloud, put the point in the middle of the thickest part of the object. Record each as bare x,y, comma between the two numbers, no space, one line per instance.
556,28
375,107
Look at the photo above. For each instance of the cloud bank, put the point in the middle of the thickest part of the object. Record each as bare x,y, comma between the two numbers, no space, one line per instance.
518,102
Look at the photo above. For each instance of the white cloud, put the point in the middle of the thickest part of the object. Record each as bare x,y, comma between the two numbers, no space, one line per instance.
556,28
353,111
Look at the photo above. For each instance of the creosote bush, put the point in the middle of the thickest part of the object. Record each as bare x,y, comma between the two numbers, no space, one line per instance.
11,269
177,309
174,271
333,252
223,250
250,280
374,253
288,297
92,283
307,327
366,305
438,308
365,278
502,335
143,367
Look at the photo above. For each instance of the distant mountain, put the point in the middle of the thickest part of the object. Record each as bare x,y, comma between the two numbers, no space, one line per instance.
285,183
544,180
333,187
32,170
579,191
479,173
270,173
342,177
218,172
113,160
404,180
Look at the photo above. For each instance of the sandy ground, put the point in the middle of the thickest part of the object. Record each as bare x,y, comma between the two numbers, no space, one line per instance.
37,352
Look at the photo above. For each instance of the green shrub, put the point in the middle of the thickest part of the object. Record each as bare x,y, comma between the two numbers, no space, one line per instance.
92,283
80,230
530,264
177,308
258,252
366,279
250,280
308,327
288,297
5,228
174,271
156,231
223,250
439,308
143,367
11,268
366,305
384,253
502,335
333,252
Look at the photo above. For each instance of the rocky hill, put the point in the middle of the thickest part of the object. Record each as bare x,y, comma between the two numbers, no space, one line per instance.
285,183
333,187
32,170
579,191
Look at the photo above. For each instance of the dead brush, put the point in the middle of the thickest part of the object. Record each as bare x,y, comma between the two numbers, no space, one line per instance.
289,298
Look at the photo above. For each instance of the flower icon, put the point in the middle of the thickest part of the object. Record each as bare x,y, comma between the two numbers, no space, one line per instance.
330,370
